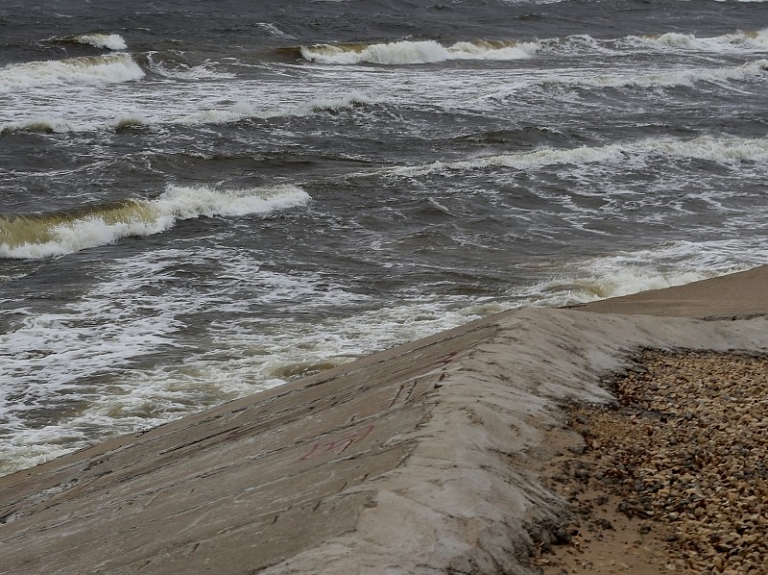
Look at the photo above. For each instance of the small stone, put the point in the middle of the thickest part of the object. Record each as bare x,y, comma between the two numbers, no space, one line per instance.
687,447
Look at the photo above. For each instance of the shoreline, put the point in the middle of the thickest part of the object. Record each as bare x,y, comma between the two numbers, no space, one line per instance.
421,459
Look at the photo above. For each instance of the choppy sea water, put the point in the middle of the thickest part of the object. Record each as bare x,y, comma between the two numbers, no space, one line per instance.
200,200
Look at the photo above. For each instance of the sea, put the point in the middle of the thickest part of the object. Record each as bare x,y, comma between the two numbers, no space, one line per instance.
202,199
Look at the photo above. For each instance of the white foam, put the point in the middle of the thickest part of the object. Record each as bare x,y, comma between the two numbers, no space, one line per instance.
183,203
29,447
91,71
675,39
727,151
625,273
254,354
181,71
49,356
76,109
242,109
411,52
735,42
135,312
273,29
577,45
109,41
87,352
231,113
428,51
145,218
666,79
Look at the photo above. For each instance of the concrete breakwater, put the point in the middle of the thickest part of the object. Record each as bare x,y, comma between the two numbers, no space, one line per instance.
421,459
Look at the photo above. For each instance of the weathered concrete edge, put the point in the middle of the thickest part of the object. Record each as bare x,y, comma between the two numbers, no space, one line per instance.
75,459
739,295
468,494
467,498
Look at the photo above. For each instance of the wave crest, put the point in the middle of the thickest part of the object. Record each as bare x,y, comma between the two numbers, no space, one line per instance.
750,40
728,152
108,41
91,70
667,79
38,236
409,52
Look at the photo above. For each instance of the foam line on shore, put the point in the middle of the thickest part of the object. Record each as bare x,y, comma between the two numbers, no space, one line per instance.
420,459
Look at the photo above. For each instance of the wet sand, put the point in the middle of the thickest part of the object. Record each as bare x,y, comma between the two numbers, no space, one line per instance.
434,457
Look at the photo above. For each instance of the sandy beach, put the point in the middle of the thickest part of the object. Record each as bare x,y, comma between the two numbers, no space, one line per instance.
484,449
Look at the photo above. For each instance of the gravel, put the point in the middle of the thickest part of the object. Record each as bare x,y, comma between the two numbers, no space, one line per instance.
686,450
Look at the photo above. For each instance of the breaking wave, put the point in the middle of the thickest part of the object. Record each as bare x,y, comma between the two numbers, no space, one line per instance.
752,40
430,51
53,234
108,41
409,52
175,66
656,267
743,41
724,151
688,77
245,110
33,127
91,70
227,114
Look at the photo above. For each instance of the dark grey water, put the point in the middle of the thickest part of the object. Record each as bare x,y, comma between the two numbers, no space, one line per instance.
202,199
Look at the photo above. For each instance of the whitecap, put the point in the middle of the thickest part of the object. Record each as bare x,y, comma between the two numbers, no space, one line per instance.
624,273
726,151
41,236
184,71
91,71
108,41
416,52
734,42
667,79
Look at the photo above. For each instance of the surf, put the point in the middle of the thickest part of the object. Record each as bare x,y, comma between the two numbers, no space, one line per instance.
408,52
89,70
738,41
725,151
36,236
108,41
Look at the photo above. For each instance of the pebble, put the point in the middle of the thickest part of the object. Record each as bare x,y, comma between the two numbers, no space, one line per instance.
687,447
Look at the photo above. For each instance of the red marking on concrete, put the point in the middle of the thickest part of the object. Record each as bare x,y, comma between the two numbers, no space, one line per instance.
338,445
448,358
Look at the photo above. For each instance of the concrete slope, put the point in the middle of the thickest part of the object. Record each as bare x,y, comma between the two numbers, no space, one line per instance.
421,459
733,296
